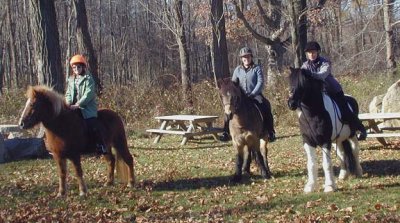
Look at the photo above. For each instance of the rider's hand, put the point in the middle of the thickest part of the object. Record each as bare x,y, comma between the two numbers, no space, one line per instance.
73,107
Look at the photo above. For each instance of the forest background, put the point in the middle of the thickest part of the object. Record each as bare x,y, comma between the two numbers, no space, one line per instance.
159,49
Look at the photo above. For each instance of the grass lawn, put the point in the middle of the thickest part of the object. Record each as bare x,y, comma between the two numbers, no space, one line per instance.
191,184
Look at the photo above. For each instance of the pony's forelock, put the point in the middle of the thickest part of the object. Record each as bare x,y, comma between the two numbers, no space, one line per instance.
56,99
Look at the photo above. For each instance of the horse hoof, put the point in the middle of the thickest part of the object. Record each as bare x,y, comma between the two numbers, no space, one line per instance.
236,178
343,175
329,189
130,185
107,184
309,188
60,195
82,194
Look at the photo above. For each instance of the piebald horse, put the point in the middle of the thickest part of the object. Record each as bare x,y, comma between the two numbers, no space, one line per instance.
66,136
321,125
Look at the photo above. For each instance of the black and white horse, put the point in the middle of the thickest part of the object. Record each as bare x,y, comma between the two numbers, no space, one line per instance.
321,125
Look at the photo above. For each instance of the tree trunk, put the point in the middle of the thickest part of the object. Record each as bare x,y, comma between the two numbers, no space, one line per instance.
13,62
387,14
84,41
46,43
219,47
184,57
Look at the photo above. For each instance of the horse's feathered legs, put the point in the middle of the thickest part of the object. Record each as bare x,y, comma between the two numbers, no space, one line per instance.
311,169
349,159
328,171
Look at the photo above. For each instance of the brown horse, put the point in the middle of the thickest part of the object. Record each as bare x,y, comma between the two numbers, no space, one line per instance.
67,138
246,129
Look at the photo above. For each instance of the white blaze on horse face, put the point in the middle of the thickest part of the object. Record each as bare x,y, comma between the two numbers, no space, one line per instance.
28,102
228,104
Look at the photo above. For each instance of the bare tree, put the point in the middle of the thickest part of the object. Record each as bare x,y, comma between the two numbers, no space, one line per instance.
172,18
297,11
273,37
46,43
84,41
388,14
183,54
219,51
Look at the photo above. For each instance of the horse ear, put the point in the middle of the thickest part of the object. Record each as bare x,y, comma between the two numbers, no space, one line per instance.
219,83
30,91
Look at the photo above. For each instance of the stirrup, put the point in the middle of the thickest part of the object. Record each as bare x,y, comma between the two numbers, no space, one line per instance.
225,137
101,149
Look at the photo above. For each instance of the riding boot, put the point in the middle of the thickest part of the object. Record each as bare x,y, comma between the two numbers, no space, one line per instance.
268,118
225,134
349,116
94,127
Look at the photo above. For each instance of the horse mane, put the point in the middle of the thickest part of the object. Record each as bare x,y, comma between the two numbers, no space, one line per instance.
56,99
301,79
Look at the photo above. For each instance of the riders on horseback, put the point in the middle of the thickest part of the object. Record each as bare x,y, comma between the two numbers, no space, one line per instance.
319,68
251,79
81,94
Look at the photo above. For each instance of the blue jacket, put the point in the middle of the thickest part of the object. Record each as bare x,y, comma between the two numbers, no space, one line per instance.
321,69
251,81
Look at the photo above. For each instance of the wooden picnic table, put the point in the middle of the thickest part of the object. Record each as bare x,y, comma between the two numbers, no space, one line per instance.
185,125
376,126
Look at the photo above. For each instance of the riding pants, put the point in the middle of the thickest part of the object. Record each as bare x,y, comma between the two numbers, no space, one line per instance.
95,132
348,115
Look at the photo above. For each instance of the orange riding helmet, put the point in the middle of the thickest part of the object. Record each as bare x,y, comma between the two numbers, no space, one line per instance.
78,59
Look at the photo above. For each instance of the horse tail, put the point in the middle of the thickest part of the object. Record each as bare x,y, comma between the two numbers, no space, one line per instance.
349,159
124,160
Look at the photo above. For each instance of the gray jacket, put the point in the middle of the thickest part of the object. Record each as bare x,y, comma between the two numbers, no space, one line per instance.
321,69
251,81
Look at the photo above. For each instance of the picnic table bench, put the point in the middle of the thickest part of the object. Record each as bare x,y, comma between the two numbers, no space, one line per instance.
376,127
7,129
185,125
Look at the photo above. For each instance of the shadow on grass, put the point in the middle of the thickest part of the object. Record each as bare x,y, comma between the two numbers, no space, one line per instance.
381,167
206,183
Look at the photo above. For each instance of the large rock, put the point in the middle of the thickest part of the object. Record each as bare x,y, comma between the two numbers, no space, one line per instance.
391,102
376,104
2,149
20,149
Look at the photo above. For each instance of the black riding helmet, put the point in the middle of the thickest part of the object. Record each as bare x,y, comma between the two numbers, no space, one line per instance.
312,46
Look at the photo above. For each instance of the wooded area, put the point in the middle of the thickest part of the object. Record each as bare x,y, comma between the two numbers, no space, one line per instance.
164,42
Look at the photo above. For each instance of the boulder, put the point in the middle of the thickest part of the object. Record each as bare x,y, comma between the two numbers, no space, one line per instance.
2,149
376,104
391,103
21,149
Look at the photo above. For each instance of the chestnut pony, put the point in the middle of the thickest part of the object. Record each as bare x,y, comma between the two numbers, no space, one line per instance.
246,129
66,136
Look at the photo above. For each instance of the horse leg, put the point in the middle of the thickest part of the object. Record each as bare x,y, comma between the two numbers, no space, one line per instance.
239,163
264,153
76,161
327,166
356,149
247,160
62,175
110,159
343,174
311,169
260,162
